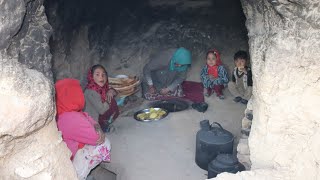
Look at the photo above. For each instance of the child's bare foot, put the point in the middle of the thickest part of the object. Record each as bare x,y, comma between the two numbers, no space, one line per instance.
221,97
206,92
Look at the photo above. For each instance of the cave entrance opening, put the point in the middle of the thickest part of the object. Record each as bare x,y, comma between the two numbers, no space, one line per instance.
121,35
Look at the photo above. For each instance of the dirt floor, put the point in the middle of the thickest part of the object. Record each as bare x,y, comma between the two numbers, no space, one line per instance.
165,149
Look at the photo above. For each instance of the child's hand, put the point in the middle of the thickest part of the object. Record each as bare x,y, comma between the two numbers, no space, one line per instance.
164,91
97,127
110,95
100,133
211,77
102,137
115,93
152,90
242,69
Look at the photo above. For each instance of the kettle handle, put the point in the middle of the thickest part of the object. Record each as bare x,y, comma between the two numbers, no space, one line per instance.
217,124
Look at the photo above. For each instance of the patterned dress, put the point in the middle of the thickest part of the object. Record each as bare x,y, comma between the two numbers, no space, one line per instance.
89,157
221,80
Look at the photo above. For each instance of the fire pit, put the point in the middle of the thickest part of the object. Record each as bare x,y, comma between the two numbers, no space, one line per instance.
172,105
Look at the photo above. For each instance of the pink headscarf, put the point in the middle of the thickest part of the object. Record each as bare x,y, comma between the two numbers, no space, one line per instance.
69,96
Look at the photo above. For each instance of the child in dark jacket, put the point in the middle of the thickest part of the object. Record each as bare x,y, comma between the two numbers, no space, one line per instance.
213,75
241,84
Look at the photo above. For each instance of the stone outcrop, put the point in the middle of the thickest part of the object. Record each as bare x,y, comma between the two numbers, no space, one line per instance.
284,41
30,145
243,151
25,34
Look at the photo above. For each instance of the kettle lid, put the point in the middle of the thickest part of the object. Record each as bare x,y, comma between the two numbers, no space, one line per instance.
216,135
227,159
226,163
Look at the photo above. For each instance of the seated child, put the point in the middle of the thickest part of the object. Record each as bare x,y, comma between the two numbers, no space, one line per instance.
241,84
83,135
100,99
213,75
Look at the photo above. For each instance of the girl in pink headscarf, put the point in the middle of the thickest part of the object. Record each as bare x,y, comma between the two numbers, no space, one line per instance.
83,135
100,99
213,75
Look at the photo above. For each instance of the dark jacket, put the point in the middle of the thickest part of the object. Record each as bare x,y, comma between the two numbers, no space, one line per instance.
248,75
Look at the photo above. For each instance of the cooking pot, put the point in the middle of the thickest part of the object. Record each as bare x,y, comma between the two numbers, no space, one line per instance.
224,163
212,140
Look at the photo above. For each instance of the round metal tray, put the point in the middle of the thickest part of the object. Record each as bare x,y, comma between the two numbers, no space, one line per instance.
147,111
171,105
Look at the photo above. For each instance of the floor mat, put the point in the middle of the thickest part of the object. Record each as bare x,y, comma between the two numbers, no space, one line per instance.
193,91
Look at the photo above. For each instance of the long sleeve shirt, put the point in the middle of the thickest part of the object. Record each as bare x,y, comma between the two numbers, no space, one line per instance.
77,127
94,106
247,77
220,80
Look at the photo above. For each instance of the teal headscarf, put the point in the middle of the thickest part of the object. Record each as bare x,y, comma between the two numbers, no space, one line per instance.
181,56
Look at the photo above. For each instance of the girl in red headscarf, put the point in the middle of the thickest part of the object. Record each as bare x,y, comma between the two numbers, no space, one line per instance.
83,135
213,75
100,99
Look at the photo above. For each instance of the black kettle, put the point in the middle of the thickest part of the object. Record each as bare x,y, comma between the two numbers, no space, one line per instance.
211,140
224,163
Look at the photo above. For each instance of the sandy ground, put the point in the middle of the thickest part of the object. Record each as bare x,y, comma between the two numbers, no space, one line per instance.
166,149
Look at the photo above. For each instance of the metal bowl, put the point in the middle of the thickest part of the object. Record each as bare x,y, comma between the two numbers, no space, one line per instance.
171,105
148,111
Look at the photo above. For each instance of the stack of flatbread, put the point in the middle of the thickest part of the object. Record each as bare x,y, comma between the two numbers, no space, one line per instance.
125,86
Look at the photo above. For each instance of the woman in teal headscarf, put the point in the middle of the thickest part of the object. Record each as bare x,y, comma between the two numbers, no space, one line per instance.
180,60
165,71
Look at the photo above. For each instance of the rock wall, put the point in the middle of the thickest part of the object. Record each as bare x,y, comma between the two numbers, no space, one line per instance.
284,41
25,33
122,36
30,145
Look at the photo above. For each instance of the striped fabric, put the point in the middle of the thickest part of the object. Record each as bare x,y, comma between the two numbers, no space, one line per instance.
221,80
